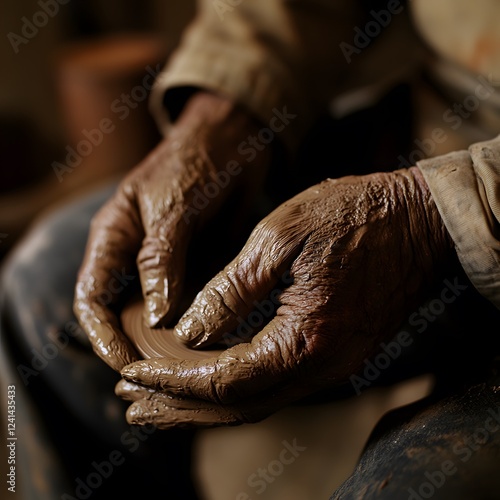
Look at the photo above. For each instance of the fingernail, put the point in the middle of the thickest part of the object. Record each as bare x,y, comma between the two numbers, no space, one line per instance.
129,374
156,308
137,415
190,330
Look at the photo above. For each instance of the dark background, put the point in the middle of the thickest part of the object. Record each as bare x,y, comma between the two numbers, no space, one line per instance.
50,90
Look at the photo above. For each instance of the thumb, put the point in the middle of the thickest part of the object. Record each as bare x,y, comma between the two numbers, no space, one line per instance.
253,280
231,296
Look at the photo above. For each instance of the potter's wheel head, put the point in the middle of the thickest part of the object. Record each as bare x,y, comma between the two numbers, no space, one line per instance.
157,342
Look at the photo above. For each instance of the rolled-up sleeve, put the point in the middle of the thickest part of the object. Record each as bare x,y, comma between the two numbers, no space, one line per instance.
264,54
466,188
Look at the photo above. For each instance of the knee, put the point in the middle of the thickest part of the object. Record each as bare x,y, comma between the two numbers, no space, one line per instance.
39,274
30,282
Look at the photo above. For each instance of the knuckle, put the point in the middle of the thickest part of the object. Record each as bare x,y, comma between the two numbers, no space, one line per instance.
222,389
99,217
266,229
217,304
77,308
155,252
95,223
224,392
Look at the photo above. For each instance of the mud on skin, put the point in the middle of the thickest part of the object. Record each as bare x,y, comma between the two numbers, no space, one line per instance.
362,251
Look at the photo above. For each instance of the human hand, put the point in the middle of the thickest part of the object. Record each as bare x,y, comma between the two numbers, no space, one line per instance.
360,251
150,220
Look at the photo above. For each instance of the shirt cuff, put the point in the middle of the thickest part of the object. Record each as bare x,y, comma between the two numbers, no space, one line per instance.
465,186
277,106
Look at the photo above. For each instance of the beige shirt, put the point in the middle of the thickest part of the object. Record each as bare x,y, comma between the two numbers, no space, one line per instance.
304,56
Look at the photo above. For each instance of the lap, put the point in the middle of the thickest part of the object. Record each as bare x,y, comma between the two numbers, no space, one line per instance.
446,445
439,447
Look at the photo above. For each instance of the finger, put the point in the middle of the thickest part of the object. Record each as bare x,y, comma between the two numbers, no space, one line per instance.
106,273
102,329
157,411
273,357
132,392
226,301
167,411
161,263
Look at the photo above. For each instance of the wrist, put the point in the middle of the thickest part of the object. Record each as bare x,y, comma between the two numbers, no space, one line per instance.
208,109
219,125
431,229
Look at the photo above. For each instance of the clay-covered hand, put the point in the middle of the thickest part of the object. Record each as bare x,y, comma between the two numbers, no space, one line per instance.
147,225
357,254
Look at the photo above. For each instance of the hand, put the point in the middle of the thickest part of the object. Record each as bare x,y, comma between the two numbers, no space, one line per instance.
360,251
150,220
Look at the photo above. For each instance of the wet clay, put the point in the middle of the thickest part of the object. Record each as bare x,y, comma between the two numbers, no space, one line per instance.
361,253
157,342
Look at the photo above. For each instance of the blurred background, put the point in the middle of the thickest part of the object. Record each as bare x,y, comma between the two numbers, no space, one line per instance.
64,72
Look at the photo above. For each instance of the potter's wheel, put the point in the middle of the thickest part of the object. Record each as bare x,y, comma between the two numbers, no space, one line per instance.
157,342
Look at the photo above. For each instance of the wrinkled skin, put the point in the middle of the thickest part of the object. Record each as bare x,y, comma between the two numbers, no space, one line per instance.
147,226
361,252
